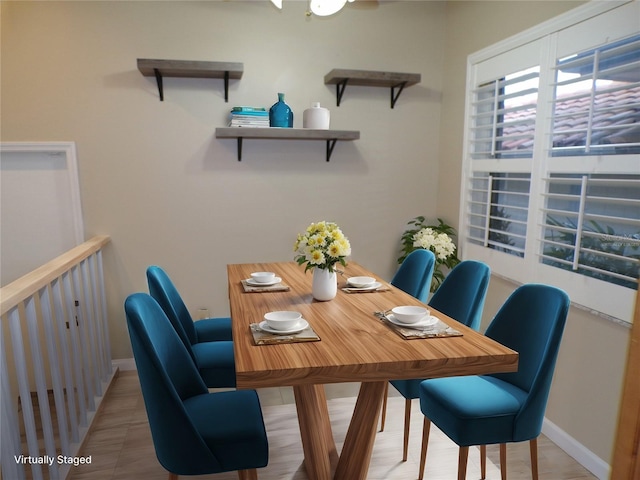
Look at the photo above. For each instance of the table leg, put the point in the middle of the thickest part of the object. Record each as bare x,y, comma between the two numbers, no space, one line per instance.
320,454
358,444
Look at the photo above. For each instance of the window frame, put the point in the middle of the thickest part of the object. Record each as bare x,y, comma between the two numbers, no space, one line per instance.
546,43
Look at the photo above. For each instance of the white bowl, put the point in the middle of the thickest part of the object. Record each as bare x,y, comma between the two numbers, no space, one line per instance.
282,320
409,313
361,281
263,277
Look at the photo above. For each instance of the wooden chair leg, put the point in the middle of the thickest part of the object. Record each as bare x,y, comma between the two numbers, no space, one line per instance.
426,426
173,476
503,461
407,425
483,462
383,415
251,474
533,447
463,454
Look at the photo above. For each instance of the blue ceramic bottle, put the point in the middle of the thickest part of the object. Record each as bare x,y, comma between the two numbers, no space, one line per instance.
280,115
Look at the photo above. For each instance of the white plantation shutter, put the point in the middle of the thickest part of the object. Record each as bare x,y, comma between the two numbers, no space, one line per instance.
597,101
551,177
497,215
504,116
592,226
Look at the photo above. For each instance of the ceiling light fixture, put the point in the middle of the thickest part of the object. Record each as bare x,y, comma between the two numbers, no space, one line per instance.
322,8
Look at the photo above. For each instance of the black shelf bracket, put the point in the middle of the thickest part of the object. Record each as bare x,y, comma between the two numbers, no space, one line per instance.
159,81
226,86
340,86
158,76
394,96
239,149
330,144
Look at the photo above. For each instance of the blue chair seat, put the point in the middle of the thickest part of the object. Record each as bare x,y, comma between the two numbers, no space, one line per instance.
235,435
216,363
472,410
213,329
408,388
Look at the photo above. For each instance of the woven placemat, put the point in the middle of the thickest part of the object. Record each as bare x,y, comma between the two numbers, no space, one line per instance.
278,287
381,288
437,330
260,337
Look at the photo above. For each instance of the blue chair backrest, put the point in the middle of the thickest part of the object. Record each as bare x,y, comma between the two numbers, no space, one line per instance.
462,294
168,377
531,322
165,293
415,273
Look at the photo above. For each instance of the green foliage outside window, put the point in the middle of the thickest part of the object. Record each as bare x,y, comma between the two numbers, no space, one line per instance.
601,248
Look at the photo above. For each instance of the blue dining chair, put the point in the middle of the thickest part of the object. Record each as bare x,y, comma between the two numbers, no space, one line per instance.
415,273
194,432
414,277
208,341
502,407
460,296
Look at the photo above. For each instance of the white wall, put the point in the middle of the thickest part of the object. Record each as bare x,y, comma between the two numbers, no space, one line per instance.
154,177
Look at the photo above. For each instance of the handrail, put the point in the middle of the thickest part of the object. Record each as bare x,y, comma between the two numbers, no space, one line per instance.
27,285
54,338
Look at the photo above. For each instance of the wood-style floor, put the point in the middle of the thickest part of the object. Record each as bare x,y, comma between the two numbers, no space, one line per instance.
121,448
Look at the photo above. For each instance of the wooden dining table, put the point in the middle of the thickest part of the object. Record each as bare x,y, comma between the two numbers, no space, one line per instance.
355,346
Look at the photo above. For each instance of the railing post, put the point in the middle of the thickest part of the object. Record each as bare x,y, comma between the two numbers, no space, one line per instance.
66,351
41,383
54,368
75,341
10,432
22,375
106,359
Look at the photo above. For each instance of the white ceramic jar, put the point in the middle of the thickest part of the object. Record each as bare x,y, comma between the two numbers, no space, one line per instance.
316,117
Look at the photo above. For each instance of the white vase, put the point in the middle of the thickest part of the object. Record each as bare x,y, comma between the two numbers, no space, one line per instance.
316,117
325,285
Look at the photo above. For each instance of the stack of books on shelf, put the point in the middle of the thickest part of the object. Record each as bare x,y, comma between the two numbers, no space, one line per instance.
249,117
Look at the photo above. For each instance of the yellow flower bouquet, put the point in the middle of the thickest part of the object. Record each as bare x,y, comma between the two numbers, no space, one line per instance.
322,246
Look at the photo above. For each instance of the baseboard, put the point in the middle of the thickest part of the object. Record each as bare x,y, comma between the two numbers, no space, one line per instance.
124,363
579,452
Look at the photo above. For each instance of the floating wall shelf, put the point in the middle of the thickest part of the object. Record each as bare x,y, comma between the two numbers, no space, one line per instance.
331,136
368,78
190,69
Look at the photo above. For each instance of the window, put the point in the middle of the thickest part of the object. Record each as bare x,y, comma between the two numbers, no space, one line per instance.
597,101
551,188
592,228
498,206
504,116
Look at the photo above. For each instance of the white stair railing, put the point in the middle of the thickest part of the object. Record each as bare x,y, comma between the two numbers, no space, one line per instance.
54,341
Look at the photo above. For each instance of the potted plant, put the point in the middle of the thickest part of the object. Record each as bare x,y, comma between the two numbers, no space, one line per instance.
438,239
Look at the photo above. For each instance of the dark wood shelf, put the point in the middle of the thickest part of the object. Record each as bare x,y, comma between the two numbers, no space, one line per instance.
368,78
190,69
330,136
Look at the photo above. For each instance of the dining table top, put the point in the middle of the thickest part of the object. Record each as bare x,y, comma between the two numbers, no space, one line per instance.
354,345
